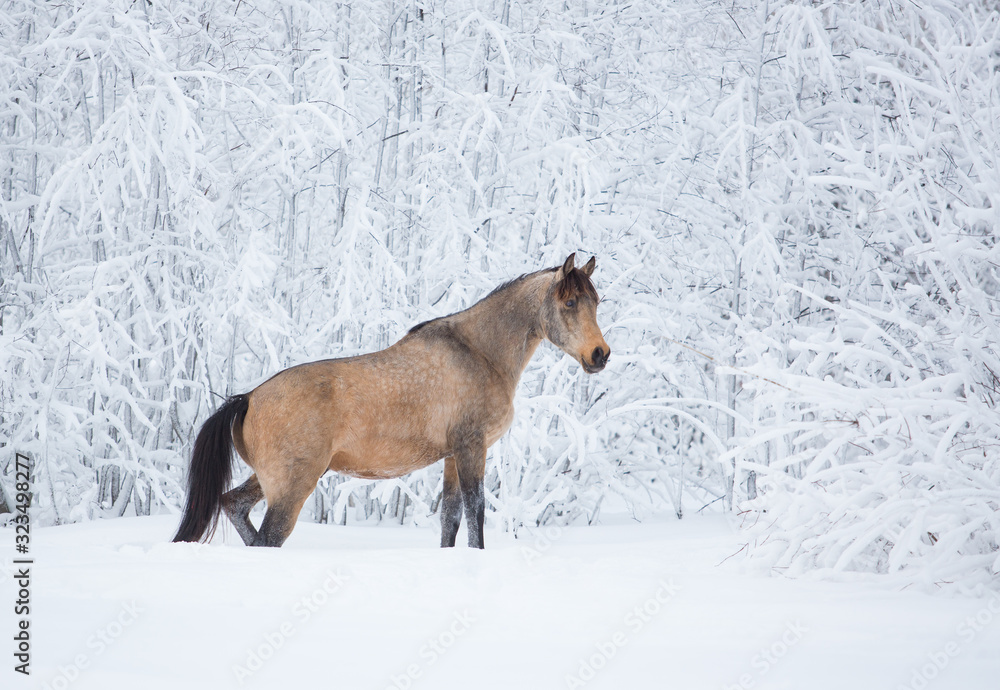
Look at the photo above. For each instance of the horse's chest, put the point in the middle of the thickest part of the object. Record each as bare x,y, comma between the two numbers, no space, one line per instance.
485,411
497,425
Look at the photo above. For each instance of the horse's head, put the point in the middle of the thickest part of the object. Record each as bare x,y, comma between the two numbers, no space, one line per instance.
569,316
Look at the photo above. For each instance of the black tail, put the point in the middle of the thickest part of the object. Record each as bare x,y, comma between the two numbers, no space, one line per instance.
210,470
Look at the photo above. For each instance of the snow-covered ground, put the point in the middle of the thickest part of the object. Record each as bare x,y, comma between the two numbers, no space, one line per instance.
651,605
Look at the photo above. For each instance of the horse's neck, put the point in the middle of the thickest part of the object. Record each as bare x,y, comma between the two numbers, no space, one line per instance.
506,327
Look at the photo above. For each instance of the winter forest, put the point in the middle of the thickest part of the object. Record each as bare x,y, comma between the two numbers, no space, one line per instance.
792,204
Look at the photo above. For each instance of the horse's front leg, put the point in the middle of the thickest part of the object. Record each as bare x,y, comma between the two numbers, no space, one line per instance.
470,461
451,503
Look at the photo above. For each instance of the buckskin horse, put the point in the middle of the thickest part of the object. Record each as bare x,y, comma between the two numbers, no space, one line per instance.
445,390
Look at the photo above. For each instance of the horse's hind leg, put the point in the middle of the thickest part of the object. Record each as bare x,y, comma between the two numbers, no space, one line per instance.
279,520
238,503
451,503
284,503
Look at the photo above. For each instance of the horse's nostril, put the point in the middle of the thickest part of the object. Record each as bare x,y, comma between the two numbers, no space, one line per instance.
598,357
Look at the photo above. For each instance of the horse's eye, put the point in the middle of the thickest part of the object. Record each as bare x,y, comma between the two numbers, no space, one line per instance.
570,303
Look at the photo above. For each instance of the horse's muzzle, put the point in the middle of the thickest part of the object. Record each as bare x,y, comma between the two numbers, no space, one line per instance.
599,359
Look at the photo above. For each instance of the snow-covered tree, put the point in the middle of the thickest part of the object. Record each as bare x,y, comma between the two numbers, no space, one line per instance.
792,204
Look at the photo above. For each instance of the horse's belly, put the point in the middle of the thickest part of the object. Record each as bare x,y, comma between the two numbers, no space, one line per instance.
383,460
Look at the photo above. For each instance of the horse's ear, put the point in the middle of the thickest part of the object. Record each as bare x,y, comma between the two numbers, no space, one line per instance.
588,269
566,267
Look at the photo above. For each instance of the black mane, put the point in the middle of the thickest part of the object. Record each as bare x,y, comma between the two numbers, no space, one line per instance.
421,325
496,291
503,286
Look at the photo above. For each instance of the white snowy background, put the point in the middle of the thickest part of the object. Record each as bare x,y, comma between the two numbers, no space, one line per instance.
793,207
